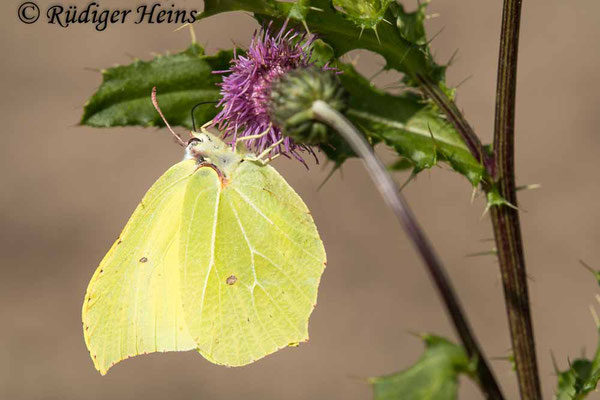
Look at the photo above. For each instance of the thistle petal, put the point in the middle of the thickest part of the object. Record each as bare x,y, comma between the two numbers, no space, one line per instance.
246,89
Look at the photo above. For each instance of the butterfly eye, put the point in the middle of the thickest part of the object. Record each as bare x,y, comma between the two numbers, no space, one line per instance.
194,141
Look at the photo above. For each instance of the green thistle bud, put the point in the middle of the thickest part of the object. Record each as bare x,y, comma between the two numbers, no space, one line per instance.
291,100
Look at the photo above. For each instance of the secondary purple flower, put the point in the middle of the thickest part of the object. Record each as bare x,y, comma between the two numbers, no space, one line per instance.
246,89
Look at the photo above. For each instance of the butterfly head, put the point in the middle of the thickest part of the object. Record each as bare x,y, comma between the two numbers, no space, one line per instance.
206,147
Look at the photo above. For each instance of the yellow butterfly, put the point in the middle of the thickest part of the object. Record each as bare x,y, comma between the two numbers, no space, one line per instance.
221,256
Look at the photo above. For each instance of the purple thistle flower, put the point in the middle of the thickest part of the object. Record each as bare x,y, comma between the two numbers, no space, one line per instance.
246,90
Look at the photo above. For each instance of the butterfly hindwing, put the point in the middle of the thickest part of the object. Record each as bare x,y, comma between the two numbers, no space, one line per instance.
251,264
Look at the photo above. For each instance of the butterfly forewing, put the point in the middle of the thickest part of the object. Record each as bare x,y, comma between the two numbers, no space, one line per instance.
133,303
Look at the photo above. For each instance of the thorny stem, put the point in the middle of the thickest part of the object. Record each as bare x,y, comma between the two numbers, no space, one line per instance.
505,220
454,115
389,190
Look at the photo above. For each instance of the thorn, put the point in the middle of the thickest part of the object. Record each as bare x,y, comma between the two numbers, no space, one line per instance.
416,334
453,57
586,266
182,26
412,176
377,34
362,29
434,36
532,186
431,16
316,9
487,208
360,379
595,316
329,175
507,204
554,363
595,272
463,81
474,194
385,20
305,26
492,252
435,145
192,34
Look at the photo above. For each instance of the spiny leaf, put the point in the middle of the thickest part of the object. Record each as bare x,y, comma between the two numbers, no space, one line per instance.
395,34
213,7
183,80
402,164
367,14
414,128
409,125
405,122
433,377
578,381
583,374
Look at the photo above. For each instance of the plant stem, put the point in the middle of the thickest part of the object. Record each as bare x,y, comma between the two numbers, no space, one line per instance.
505,220
454,115
389,190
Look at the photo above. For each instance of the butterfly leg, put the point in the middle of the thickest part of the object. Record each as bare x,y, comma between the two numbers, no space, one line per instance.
250,137
203,127
262,156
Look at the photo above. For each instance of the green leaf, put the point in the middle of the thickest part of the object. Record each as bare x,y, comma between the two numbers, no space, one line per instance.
367,14
396,35
182,80
409,125
402,164
583,375
433,377
578,381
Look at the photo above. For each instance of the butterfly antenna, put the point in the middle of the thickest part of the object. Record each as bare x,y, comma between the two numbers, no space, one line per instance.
155,104
194,108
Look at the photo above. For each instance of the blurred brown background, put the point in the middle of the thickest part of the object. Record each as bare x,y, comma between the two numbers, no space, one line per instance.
66,191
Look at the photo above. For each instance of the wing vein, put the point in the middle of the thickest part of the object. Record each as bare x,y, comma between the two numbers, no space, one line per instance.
255,277
212,250
259,212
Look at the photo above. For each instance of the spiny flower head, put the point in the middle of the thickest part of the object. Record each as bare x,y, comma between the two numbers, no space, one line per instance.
246,89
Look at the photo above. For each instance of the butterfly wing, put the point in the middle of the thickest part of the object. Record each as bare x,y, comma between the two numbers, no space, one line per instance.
251,262
133,302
